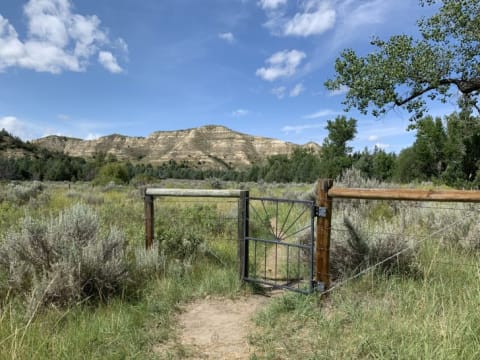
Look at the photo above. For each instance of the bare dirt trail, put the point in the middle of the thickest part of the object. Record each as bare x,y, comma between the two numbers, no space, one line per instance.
218,328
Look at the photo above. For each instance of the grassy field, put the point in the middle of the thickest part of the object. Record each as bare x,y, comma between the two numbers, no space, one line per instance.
377,317
427,308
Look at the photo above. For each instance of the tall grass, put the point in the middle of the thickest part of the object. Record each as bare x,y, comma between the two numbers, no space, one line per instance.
379,317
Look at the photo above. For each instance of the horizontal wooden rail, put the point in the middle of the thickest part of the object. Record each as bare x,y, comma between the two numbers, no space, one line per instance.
193,193
406,194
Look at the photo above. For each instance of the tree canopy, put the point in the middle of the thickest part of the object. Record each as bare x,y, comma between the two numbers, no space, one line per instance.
335,155
405,72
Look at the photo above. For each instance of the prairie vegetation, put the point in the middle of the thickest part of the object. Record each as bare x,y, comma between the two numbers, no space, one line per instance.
75,281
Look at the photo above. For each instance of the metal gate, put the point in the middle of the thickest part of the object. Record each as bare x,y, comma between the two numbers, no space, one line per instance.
279,243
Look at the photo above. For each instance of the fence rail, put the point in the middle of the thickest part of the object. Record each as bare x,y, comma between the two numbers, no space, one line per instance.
193,193
405,194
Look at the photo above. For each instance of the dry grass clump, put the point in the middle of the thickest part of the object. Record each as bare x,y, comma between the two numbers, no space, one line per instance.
356,249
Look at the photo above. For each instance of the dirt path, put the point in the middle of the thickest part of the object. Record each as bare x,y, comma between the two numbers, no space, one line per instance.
218,328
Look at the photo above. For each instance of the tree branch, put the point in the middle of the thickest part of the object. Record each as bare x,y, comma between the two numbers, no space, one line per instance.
415,94
465,86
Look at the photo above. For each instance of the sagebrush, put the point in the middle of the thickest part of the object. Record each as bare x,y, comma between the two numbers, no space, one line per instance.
65,259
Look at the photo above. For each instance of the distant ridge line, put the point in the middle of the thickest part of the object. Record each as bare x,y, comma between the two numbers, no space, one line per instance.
209,145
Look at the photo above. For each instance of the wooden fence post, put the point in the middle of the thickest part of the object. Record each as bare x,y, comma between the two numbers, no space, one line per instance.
243,234
323,234
149,221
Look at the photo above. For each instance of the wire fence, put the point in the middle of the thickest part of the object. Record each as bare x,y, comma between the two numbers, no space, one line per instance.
400,227
366,235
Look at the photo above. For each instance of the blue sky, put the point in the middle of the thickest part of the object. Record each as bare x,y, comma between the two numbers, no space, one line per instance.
88,68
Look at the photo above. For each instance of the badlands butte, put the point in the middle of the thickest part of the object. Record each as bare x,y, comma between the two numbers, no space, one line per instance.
211,145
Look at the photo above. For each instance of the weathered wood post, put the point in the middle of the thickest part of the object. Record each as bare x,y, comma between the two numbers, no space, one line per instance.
323,234
149,221
243,234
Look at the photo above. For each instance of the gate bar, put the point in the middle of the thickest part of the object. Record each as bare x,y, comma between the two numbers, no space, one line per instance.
149,221
193,192
243,250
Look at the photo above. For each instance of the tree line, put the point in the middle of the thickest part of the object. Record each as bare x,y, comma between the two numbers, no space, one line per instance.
445,151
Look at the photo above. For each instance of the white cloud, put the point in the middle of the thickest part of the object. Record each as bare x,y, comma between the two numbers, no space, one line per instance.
27,130
228,37
122,45
63,117
109,61
376,131
240,112
370,12
297,90
16,127
297,129
271,4
281,64
279,92
83,129
321,113
92,136
317,19
311,17
57,39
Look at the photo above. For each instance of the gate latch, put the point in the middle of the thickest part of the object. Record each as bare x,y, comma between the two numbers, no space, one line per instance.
319,211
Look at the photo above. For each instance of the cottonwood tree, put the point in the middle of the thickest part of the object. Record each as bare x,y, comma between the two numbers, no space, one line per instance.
336,154
406,72
444,149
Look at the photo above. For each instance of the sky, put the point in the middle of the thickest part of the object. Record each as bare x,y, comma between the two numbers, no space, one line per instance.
90,68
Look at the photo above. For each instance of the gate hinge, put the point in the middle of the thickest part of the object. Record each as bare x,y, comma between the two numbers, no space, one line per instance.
319,211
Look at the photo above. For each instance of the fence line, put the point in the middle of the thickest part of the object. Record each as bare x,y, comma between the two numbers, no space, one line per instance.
420,204
325,194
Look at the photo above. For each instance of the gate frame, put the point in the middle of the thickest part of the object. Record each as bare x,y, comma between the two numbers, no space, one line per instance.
316,212
149,195
323,212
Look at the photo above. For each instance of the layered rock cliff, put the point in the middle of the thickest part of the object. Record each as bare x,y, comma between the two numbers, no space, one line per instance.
211,145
